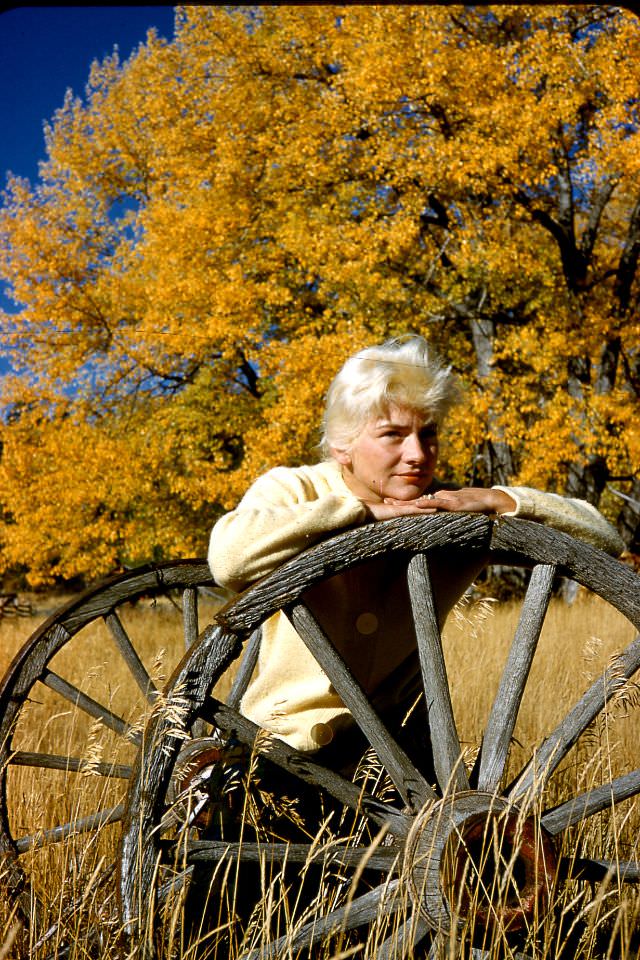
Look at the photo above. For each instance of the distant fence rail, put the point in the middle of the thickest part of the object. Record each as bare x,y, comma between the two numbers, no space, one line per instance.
12,606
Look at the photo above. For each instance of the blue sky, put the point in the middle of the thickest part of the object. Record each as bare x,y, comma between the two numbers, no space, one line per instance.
46,50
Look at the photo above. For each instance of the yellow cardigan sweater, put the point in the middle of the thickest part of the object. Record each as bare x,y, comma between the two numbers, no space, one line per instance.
365,611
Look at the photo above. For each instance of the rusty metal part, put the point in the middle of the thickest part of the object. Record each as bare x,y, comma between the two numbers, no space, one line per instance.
477,855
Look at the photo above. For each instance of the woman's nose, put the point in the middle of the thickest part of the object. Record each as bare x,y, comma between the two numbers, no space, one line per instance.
415,450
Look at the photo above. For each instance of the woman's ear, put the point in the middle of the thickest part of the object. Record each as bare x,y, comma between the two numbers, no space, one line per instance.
342,456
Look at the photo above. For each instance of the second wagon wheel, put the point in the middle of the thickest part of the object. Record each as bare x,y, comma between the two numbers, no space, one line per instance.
72,709
483,849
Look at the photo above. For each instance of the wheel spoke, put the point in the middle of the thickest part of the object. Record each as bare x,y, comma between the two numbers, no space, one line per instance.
502,719
190,616
403,941
593,871
382,858
190,630
50,761
79,699
174,884
441,948
245,669
130,656
360,910
302,766
562,739
215,650
445,742
82,825
71,911
411,785
592,801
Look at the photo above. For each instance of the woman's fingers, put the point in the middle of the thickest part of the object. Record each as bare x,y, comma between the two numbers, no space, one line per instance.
389,508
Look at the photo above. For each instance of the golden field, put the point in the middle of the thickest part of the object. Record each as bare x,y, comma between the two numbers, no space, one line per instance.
75,880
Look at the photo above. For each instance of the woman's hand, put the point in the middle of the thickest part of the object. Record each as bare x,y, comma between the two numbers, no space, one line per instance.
473,500
465,500
388,508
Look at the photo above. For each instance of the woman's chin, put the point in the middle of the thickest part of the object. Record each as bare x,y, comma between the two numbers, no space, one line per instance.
407,491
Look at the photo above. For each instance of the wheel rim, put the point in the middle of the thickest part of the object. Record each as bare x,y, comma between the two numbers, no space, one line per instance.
551,554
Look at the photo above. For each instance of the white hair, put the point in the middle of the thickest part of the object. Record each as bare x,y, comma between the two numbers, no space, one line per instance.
402,371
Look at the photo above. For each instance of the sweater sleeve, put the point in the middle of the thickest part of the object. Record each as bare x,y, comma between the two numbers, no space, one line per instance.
284,512
578,518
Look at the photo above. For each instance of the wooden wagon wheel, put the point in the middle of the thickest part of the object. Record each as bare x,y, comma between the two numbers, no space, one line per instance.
72,707
434,856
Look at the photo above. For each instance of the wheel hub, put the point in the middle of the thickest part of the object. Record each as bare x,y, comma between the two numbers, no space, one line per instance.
476,856
206,767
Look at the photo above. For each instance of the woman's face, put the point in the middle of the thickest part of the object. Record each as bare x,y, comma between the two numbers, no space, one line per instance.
393,457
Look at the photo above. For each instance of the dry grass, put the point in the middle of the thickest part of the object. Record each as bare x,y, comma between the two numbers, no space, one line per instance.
578,642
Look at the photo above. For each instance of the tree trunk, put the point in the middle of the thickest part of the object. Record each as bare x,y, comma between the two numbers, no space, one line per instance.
493,461
628,520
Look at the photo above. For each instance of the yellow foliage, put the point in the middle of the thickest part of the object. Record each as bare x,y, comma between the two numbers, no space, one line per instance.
223,218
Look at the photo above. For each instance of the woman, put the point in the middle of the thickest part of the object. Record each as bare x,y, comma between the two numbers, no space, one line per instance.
383,415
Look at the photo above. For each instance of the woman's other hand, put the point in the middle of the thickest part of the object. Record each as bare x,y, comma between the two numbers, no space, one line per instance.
465,500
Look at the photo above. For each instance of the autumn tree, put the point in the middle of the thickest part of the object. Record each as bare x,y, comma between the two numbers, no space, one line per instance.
224,217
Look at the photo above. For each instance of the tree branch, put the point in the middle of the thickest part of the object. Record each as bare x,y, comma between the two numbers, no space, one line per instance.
628,263
601,199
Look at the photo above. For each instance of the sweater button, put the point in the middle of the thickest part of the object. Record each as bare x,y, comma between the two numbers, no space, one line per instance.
367,623
322,734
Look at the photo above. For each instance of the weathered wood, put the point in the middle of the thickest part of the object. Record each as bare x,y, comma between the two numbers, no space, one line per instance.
153,580
23,758
504,712
130,656
567,814
525,543
88,824
90,706
407,534
383,858
91,605
303,766
595,871
519,539
11,606
360,910
441,949
28,668
565,735
614,581
445,743
412,786
191,630
245,670
202,666
431,836
403,940
190,616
